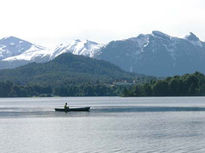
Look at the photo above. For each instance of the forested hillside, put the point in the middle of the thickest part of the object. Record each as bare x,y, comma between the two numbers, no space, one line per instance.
67,68
67,75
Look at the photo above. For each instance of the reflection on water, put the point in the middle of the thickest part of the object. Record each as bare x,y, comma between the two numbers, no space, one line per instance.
30,125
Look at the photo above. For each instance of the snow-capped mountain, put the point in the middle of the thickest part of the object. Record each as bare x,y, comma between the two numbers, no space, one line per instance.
12,46
157,54
33,54
16,52
78,47
15,49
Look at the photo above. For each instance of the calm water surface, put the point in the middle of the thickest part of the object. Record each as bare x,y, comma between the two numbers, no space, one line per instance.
114,125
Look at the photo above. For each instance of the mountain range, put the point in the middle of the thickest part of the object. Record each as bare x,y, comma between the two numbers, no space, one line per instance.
16,52
156,54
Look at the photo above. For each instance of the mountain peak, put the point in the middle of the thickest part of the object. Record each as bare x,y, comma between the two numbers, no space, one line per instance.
91,42
13,39
77,40
10,37
160,34
12,46
192,37
78,47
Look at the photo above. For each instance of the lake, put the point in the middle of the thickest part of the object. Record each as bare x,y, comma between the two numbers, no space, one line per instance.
113,125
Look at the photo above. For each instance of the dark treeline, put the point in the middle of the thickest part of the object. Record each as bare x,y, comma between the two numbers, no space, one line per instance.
186,85
9,89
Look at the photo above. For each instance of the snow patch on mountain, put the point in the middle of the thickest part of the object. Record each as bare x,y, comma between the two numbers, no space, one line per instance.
32,54
142,41
78,47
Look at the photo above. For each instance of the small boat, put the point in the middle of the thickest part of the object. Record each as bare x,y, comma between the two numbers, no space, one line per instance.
80,109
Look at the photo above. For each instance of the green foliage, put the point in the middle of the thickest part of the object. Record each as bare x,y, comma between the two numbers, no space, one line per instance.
186,85
8,89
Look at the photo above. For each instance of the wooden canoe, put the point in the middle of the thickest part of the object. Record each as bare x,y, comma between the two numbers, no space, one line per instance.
73,109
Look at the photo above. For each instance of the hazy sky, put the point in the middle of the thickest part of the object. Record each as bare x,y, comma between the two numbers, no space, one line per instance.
48,22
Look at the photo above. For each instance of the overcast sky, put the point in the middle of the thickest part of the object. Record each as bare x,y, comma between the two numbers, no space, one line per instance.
48,22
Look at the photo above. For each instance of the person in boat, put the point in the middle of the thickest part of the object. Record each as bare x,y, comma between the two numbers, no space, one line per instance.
66,107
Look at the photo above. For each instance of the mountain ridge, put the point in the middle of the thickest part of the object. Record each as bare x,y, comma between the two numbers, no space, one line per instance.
157,54
72,68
